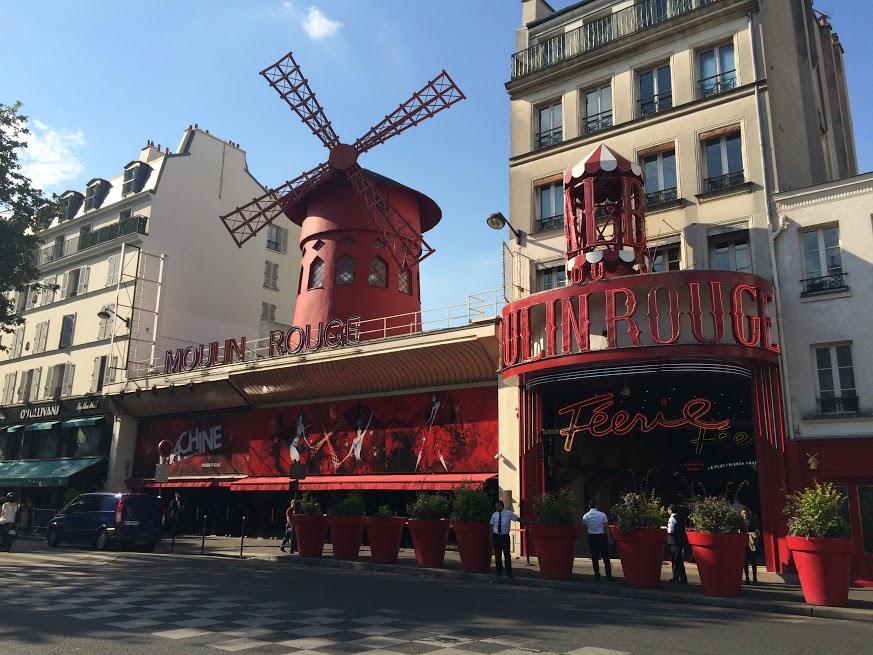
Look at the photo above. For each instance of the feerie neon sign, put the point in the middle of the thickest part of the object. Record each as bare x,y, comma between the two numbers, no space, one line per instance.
591,416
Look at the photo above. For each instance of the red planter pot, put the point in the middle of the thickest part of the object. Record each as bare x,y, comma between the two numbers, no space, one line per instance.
429,539
825,569
719,559
384,536
642,554
311,533
474,545
346,536
556,548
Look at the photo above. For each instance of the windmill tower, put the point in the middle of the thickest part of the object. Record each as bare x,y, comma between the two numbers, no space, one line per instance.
361,233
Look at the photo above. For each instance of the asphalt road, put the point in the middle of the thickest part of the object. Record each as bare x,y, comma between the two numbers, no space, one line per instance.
73,600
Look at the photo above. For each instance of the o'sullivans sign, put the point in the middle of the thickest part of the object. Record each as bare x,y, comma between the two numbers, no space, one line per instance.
695,312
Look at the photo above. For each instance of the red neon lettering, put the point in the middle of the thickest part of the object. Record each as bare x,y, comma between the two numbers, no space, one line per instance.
510,339
173,364
654,314
571,327
717,312
739,316
550,329
526,345
276,339
630,306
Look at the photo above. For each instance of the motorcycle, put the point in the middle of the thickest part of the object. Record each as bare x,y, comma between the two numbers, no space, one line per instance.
8,535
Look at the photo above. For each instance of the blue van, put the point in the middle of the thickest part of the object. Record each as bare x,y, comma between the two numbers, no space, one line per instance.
106,519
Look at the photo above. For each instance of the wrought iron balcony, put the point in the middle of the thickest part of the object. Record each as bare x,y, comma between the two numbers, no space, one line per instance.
660,197
549,138
725,181
124,227
655,104
840,405
550,223
824,283
597,33
716,84
598,122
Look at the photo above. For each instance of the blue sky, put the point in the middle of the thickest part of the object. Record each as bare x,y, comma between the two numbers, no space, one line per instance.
99,79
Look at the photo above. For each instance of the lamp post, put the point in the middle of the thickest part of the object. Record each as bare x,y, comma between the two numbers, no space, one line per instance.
497,221
107,313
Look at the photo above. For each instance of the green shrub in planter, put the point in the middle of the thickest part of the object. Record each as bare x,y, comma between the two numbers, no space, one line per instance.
713,515
555,509
472,505
309,505
351,505
384,512
428,507
637,510
816,512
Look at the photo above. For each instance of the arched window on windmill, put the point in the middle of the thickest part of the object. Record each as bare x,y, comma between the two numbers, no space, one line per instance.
316,274
378,273
345,271
404,281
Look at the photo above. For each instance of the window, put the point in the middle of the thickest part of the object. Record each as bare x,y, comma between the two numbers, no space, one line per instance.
104,328
551,206
345,271
75,282
271,275
48,294
41,337
102,373
405,281
822,261
730,252
553,278
32,297
134,177
655,91
598,110
28,388
316,274
666,258
268,312
717,70
17,342
67,328
723,156
378,273
835,378
8,388
549,126
112,274
660,172
70,203
92,196
277,238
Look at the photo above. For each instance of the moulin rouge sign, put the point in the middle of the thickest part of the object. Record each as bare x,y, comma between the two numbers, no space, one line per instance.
688,308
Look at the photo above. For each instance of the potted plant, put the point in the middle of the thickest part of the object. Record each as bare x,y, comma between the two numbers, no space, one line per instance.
346,522
819,539
384,532
639,532
429,526
311,526
719,545
471,516
555,532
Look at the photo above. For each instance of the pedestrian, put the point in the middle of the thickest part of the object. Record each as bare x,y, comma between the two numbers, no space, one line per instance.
750,527
9,510
31,513
290,535
677,540
175,508
598,540
500,523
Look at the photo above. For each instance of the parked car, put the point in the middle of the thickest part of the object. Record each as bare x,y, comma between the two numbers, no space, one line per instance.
107,519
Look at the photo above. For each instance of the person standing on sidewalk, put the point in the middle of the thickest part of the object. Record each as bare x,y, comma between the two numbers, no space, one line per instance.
750,527
500,523
598,540
289,529
677,541
175,508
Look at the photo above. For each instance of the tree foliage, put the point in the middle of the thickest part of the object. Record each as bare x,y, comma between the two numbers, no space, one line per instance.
24,211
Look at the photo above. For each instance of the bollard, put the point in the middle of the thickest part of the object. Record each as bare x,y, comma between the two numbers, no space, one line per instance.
242,538
173,540
203,539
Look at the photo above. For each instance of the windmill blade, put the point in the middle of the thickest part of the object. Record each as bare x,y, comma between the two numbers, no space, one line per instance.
438,94
407,247
245,222
286,77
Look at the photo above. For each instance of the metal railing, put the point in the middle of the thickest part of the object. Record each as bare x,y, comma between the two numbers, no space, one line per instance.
734,178
599,32
824,283
550,223
655,104
549,138
839,405
124,227
598,122
660,197
712,86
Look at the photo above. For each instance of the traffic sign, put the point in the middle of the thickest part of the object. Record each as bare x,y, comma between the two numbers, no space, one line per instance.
162,473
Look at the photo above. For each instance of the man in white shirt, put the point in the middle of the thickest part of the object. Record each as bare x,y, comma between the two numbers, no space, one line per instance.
10,509
598,539
500,522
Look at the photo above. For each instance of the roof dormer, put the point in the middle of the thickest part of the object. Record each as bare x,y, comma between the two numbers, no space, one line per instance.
71,201
135,175
95,193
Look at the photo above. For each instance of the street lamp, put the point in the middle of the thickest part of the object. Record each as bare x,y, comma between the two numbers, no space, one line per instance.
108,312
497,221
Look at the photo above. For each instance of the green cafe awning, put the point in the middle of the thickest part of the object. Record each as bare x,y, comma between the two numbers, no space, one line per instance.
76,422
43,472
14,428
48,425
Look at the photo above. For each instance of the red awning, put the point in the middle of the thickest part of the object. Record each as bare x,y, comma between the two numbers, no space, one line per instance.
416,482
209,482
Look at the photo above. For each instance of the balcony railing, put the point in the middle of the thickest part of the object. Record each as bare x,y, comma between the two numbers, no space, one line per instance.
598,122
725,181
130,225
549,138
550,223
600,32
660,197
824,283
712,86
841,405
655,104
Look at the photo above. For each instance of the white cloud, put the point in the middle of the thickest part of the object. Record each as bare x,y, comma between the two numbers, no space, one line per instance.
52,156
319,26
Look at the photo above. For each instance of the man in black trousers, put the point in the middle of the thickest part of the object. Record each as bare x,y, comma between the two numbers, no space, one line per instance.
677,540
500,522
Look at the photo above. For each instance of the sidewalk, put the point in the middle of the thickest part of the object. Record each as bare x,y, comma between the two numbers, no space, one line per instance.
773,593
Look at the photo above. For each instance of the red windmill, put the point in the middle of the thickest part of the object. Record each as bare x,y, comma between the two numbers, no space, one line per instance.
350,217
